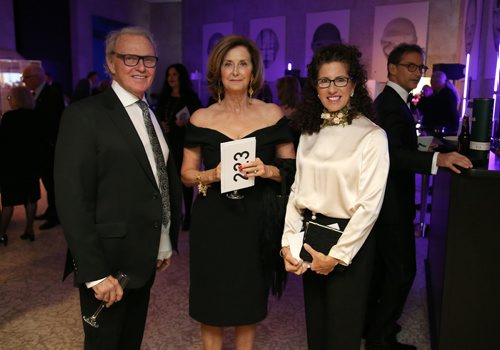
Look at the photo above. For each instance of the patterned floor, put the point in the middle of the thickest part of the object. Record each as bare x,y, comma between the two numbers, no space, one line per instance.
38,311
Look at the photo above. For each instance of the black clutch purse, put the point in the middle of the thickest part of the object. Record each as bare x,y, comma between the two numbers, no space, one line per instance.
322,238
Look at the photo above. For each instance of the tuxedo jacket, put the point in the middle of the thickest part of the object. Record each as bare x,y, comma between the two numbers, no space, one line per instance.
395,117
108,200
50,106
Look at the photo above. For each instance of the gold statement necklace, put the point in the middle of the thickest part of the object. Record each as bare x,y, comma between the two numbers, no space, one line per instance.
335,118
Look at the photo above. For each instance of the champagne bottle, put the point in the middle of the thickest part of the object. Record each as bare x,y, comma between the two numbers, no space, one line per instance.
464,137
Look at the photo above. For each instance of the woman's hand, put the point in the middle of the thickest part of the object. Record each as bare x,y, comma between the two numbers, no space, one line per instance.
298,267
257,168
322,264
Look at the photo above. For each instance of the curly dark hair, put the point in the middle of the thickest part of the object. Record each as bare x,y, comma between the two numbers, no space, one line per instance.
307,118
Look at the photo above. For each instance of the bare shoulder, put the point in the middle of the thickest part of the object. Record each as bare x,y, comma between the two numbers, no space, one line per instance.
203,116
270,111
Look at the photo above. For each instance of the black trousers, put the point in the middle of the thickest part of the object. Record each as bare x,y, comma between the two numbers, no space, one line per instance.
394,272
335,304
122,325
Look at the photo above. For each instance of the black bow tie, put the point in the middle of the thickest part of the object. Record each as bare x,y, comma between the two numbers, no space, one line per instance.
409,98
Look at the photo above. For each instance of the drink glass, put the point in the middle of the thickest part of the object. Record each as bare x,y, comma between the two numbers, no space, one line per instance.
92,320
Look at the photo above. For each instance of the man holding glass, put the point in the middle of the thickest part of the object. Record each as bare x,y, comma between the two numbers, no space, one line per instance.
119,194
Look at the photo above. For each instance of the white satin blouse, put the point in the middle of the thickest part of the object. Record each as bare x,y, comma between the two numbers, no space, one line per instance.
341,173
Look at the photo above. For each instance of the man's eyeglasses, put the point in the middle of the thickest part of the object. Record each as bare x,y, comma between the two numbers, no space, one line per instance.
412,67
133,60
324,83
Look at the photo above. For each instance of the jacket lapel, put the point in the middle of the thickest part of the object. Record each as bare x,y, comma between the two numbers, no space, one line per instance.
121,119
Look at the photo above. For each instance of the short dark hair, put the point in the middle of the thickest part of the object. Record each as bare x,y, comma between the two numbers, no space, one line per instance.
91,74
307,118
397,53
218,54
289,91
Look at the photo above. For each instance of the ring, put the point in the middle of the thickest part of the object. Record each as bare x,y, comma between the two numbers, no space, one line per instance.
255,171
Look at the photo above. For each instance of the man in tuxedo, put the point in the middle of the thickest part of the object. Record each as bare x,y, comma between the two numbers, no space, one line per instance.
395,266
119,194
49,103
85,87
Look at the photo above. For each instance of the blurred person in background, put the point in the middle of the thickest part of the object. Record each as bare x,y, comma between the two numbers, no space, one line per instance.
20,145
176,103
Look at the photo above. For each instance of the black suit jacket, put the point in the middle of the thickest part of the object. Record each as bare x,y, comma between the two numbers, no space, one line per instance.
50,106
440,110
108,200
395,117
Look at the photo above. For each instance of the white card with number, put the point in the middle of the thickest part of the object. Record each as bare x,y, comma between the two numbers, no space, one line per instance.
232,155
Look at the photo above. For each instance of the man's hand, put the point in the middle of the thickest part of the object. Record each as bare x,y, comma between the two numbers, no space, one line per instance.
449,160
108,291
162,265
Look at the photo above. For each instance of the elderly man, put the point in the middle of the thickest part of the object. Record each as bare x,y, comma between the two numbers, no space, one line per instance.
119,194
49,103
439,110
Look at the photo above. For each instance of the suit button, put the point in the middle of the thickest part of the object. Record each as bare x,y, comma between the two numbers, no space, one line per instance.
155,196
156,225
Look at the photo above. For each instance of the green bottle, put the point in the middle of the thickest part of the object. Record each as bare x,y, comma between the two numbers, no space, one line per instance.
480,135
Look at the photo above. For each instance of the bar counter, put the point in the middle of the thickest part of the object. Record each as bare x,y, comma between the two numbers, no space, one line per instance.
463,259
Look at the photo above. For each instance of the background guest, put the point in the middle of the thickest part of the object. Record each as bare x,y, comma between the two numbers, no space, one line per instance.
176,103
342,166
49,103
395,264
20,145
289,93
230,276
440,108
85,87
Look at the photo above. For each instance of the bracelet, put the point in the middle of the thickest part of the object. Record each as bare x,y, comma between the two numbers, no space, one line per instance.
201,187
281,251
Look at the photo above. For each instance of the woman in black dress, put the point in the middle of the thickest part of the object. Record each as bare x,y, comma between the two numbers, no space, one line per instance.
177,102
229,276
20,144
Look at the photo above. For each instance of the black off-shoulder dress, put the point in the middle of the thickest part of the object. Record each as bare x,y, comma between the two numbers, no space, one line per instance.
228,285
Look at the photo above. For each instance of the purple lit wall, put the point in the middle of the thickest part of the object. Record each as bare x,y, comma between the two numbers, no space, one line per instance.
443,42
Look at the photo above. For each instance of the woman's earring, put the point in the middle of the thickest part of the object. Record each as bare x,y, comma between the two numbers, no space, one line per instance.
352,93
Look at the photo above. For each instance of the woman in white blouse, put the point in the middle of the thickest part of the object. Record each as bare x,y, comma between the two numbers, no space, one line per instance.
342,167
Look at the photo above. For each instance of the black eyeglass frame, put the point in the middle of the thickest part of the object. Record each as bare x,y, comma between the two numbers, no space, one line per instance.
137,58
412,67
334,81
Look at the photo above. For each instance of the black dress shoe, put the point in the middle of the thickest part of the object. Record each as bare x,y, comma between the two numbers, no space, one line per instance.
29,236
4,240
49,224
43,216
